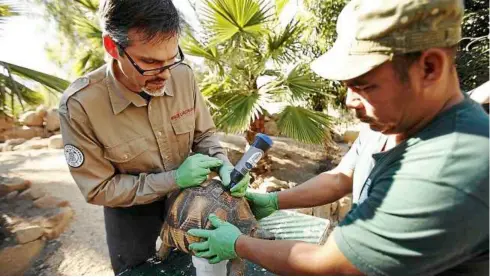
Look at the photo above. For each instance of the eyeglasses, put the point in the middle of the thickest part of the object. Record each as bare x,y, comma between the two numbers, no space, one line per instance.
155,71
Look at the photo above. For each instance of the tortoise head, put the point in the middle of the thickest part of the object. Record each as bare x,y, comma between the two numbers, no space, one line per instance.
261,233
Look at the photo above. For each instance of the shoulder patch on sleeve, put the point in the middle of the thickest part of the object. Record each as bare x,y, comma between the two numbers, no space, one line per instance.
74,156
74,87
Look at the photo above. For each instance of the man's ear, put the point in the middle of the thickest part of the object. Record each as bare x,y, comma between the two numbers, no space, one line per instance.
110,46
433,61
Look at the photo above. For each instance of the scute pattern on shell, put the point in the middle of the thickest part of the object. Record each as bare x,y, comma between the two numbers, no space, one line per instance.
191,207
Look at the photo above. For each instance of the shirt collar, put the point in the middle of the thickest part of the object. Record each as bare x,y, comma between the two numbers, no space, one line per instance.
119,95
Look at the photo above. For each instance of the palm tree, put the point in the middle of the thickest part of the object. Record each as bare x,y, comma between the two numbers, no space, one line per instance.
14,92
252,60
79,34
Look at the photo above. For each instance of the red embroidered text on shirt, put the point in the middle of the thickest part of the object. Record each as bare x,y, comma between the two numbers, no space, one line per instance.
182,113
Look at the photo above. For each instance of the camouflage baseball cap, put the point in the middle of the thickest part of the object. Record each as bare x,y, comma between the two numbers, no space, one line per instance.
370,32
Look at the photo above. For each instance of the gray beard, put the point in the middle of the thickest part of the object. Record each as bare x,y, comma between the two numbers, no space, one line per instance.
155,93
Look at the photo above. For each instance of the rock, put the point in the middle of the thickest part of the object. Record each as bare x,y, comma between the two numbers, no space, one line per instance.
52,120
324,211
32,144
32,119
8,185
41,111
345,205
336,137
271,128
350,136
307,211
27,233
55,225
24,132
32,193
6,122
272,189
11,143
270,184
17,259
49,201
6,221
11,195
55,142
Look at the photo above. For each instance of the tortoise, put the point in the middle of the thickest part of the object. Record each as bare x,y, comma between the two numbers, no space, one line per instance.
191,207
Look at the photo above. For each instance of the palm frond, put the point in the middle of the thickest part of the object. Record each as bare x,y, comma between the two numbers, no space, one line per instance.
280,4
8,9
227,19
304,125
89,61
47,80
92,5
236,114
301,82
282,46
190,45
87,28
20,91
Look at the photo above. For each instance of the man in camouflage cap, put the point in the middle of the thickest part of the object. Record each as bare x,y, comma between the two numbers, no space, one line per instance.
418,175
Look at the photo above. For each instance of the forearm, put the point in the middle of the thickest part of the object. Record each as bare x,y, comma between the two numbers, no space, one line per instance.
322,189
282,257
123,190
208,144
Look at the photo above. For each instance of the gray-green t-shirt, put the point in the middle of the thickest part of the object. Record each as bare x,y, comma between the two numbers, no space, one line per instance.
421,208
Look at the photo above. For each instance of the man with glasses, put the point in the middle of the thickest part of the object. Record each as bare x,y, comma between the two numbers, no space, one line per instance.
129,127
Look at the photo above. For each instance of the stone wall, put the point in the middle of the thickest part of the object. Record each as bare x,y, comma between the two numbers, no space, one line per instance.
41,123
28,219
37,129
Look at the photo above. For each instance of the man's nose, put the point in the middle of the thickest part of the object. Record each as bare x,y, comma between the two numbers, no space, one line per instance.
165,74
353,100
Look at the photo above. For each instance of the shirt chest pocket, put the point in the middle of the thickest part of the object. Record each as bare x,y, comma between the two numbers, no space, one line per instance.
129,157
183,131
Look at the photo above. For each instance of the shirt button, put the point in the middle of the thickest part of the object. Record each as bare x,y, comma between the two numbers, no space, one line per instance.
159,134
125,156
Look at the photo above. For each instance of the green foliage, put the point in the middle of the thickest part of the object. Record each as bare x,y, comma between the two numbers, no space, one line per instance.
252,60
14,79
234,19
472,62
301,124
7,10
319,36
79,42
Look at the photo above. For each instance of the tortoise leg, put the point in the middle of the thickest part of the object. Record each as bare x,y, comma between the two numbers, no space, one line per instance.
163,252
262,234
237,267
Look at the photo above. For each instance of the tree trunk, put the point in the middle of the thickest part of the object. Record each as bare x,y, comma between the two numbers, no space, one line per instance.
265,164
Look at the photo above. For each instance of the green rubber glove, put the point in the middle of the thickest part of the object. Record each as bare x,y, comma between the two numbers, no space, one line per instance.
195,169
220,242
239,189
224,173
262,204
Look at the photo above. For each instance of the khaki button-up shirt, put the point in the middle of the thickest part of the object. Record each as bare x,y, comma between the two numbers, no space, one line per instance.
123,151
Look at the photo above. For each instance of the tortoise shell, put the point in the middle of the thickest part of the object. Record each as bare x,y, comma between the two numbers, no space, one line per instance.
191,207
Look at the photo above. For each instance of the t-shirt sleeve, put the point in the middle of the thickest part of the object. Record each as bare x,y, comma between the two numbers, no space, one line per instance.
404,229
349,160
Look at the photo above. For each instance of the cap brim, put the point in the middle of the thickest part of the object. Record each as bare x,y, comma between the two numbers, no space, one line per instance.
339,64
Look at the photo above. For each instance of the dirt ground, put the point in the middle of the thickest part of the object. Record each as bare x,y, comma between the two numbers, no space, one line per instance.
82,249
